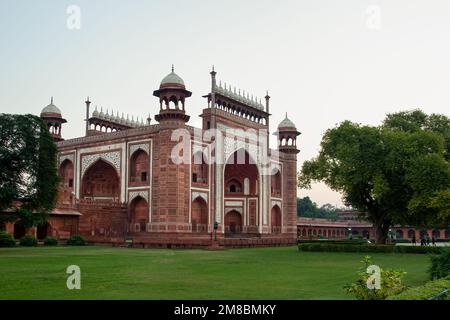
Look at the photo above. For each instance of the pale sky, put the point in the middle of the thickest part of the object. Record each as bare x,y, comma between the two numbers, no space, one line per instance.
323,61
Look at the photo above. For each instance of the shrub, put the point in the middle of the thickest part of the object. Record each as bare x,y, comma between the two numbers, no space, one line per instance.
427,291
50,241
440,265
390,283
332,247
28,241
6,240
76,240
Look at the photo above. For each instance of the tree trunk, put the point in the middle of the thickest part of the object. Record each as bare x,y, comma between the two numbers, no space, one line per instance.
381,231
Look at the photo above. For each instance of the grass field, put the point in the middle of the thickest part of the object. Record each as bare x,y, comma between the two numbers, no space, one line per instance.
259,273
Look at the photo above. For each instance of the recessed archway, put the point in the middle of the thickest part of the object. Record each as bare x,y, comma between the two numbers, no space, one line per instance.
43,231
139,213
241,169
199,215
101,182
139,167
19,231
66,174
275,218
233,222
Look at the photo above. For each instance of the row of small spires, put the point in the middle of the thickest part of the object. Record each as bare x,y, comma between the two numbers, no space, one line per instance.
244,98
117,119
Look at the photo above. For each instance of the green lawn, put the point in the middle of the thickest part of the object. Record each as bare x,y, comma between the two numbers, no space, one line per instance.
259,273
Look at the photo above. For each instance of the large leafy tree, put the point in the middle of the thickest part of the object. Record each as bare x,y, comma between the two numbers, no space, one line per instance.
28,174
395,173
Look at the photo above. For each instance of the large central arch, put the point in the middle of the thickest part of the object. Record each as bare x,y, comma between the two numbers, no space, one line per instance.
101,182
241,175
241,184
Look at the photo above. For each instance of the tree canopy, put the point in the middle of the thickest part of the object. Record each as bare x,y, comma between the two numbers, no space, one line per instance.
309,209
396,173
28,173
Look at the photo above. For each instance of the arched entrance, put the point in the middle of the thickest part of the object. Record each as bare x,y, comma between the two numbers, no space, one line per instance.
139,214
241,175
233,222
199,215
241,185
101,182
19,231
43,231
275,218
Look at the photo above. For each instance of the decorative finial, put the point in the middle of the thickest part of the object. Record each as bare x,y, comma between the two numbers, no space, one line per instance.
172,68
51,100
286,115
213,68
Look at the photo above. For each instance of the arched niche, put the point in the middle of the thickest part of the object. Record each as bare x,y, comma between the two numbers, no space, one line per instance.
101,182
139,168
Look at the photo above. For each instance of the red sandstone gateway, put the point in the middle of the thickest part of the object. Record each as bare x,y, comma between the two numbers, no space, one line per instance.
120,184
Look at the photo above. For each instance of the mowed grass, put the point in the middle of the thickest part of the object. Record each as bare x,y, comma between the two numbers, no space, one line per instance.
257,273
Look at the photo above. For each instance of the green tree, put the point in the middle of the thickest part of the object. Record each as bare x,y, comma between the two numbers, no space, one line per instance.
309,209
394,173
28,173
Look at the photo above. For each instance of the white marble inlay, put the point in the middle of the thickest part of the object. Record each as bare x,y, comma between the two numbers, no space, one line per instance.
111,157
140,193
202,195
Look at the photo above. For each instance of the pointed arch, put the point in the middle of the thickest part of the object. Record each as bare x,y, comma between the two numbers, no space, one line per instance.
276,219
101,181
139,209
139,167
199,215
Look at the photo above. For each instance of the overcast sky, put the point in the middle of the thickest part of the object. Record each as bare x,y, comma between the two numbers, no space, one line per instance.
323,61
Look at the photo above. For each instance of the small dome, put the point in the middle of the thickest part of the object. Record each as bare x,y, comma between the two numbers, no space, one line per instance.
51,110
172,79
95,113
286,123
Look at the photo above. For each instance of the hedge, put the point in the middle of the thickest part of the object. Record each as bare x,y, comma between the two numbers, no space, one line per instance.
356,241
6,240
440,265
76,240
28,241
324,247
428,291
50,241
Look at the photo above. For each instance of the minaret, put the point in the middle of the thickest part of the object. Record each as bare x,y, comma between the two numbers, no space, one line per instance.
173,171
287,147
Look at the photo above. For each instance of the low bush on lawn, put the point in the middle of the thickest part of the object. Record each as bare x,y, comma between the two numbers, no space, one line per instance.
6,240
28,241
440,265
50,241
76,240
325,247
429,290
390,283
